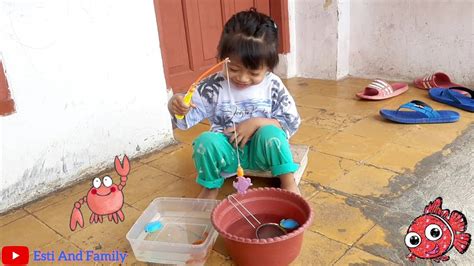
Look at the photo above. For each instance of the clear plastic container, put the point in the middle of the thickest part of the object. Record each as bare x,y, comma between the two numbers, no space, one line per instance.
187,236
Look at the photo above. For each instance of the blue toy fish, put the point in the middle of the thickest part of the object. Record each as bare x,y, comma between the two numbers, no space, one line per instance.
289,224
153,226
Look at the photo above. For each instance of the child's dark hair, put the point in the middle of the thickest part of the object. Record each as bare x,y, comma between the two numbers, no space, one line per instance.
252,37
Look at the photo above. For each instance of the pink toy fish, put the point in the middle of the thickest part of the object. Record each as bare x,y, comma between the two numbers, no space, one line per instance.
242,183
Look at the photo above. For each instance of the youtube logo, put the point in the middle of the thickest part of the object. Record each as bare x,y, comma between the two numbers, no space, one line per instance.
15,255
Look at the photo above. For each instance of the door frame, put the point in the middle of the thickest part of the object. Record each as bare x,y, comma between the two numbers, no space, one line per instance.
279,13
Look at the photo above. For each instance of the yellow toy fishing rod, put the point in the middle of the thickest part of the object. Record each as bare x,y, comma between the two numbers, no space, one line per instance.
189,94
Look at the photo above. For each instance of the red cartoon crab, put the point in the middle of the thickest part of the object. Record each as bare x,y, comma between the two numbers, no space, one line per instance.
104,198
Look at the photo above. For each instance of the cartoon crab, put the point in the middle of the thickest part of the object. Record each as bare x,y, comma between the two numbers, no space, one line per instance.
103,198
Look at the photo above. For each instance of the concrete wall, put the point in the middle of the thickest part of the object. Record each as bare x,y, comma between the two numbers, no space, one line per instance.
403,39
343,38
88,83
396,39
316,38
319,40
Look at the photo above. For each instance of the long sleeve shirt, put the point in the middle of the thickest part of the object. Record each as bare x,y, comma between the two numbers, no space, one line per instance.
224,106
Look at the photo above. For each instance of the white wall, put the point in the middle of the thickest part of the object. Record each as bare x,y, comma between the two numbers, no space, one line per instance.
396,39
343,38
403,39
316,38
88,83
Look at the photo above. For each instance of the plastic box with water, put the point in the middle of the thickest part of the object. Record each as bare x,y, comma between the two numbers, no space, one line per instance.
187,236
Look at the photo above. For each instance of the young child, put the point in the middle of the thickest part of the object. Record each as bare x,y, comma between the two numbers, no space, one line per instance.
257,101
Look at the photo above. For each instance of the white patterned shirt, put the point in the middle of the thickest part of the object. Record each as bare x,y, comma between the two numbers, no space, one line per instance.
224,106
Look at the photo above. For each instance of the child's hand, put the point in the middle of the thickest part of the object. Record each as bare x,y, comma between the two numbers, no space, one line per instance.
245,131
177,106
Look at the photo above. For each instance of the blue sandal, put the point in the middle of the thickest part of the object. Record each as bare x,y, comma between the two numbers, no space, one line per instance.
453,97
421,114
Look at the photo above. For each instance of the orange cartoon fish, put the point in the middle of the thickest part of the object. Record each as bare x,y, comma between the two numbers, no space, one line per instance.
433,234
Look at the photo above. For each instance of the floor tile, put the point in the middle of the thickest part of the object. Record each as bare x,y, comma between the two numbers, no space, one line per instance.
426,137
374,127
146,180
220,248
356,82
336,89
364,181
338,105
324,169
57,215
319,250
189,135
311,135
337,220
179,162
376,236
27,231
307,189
307,113
379,242
356,256
340,91
300,87
397,157
351,146
180,188
217,259
12,216
334,121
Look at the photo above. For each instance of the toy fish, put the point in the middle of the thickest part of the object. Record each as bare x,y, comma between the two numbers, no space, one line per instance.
289,224
433,234
153,226
242,184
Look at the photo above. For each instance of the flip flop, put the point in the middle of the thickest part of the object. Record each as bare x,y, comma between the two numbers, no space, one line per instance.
421,114
436,80
380,90
452,97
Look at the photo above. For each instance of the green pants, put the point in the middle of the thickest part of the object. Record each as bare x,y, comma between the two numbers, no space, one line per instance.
267,150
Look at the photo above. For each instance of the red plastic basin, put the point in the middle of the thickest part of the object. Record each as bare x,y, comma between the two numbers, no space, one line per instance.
268,205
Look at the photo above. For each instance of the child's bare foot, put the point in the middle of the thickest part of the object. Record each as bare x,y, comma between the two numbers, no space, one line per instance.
207,193
288,182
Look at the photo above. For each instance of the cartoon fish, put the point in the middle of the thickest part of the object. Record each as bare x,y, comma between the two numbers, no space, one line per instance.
436,232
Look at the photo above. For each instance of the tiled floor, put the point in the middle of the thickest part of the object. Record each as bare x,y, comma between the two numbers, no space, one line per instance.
354,153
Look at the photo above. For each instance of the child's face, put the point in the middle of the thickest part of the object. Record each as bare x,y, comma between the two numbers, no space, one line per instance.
242,77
